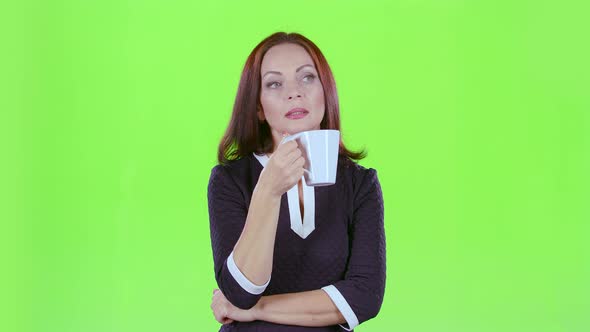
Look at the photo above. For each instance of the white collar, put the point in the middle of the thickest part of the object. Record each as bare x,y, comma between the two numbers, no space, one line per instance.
303,229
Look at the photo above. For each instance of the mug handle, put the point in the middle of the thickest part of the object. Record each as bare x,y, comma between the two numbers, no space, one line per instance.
293,137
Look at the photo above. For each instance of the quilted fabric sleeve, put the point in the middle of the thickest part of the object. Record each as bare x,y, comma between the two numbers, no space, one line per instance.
360,294
227,216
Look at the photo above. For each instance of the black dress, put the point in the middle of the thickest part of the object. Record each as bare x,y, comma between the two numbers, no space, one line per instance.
339,247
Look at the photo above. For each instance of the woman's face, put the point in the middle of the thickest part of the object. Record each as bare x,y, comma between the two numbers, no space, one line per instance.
291,94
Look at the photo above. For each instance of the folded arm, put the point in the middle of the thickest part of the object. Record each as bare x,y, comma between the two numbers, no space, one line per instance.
311,308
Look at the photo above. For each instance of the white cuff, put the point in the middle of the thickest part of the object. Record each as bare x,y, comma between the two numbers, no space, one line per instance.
343,306
246,284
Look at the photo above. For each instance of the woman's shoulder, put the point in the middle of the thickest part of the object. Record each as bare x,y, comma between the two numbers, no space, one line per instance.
357,175
235,169
361,181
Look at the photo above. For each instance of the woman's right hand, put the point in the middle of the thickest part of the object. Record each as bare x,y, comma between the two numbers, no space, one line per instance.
283,170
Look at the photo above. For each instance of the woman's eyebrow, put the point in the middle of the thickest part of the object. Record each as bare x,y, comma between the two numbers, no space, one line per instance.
300,67
279,73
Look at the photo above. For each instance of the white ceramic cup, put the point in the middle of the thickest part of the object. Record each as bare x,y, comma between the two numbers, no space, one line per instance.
320,150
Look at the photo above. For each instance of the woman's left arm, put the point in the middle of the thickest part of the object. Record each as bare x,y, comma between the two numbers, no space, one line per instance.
360,294
311,308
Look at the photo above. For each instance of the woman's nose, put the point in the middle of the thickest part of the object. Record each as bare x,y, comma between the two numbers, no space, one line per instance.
294,91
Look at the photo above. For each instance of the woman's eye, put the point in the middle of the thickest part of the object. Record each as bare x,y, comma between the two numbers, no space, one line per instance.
309,78
273,85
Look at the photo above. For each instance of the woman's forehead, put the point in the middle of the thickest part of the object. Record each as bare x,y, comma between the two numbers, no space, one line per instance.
285,58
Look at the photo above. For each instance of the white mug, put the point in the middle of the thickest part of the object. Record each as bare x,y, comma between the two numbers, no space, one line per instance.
320,150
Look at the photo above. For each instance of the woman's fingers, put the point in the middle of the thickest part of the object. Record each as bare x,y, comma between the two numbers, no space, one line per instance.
219,312
284,151
288,157
227,321
296,168
285,168
220,307
217,308
293,155
294,171
217,298
215,312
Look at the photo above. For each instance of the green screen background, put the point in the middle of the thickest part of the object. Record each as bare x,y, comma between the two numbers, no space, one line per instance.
474,113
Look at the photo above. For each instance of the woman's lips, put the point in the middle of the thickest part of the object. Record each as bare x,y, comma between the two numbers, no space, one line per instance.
296,113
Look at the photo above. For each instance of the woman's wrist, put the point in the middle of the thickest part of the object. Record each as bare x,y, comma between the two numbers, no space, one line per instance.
265,191
257,310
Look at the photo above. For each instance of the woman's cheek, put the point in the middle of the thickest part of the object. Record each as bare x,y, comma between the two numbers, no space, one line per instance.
319,102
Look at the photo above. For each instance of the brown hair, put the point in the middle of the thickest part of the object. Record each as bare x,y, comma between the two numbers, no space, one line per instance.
245,133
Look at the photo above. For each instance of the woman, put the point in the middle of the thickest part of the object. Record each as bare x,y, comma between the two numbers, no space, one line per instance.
277,271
